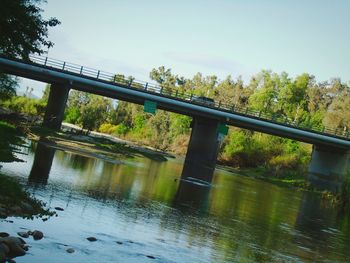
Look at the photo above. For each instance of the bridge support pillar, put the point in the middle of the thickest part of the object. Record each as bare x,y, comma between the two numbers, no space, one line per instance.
328,168
55,106
202,150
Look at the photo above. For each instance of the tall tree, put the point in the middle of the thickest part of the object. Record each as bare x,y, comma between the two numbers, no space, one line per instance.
164,77
23,31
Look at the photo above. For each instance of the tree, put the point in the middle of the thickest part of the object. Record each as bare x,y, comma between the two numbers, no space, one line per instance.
164,77
337,115
95,112
7,86
266,91
23,31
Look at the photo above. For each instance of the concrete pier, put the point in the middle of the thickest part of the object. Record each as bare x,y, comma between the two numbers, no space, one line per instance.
55,106
328,168
202,150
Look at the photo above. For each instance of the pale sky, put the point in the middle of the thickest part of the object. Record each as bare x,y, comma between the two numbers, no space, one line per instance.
221,37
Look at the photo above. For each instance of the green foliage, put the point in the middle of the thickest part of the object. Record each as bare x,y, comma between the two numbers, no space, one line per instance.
108,128
23,29
121,129
25,105
8,86
247,149
179,125
10,137
72,115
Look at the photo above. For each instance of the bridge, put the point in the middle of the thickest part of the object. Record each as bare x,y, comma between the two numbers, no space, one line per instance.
331,148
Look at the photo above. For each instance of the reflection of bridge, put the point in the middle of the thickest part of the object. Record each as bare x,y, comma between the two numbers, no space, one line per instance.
330,158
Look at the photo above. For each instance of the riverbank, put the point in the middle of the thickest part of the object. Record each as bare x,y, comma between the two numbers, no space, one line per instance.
14,201
94,144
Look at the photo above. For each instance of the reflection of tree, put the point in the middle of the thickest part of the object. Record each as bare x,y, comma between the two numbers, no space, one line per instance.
317,225
75,161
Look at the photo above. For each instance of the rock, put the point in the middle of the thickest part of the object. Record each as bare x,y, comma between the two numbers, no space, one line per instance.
26,247
15,245
3,215
2,256
59,208
23,234
119,242
4,234
27,207
149,256
92,239
70,250
37,235
4,248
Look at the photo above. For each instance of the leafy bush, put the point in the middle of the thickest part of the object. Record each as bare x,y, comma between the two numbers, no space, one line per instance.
25,105
10,137
121,129
72,115
108,128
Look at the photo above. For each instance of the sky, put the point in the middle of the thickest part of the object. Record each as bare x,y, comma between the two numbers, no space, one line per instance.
221,37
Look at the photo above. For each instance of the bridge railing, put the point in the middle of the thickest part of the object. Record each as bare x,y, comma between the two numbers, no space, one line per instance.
176,94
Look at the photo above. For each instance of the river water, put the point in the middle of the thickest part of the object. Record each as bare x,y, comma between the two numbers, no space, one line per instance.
140,211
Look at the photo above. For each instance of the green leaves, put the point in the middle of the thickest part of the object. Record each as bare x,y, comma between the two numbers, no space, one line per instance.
23,31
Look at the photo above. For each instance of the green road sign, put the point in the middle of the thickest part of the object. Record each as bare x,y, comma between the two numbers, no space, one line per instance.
223,129
150,106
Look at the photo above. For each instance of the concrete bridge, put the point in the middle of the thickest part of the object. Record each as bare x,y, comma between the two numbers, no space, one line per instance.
331,148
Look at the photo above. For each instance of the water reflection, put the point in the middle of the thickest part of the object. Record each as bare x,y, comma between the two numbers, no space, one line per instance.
191,196
42,163
237,219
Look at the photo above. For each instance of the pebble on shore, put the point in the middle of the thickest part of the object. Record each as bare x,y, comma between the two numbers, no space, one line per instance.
23,234
70,250
37,235
11,247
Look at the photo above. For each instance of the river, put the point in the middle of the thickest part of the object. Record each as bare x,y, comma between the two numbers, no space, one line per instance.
140,211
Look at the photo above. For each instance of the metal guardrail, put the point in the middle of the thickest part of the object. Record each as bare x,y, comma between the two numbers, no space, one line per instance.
182,96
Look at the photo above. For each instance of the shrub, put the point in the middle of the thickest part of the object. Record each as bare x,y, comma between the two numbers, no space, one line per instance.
121,129
108,128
